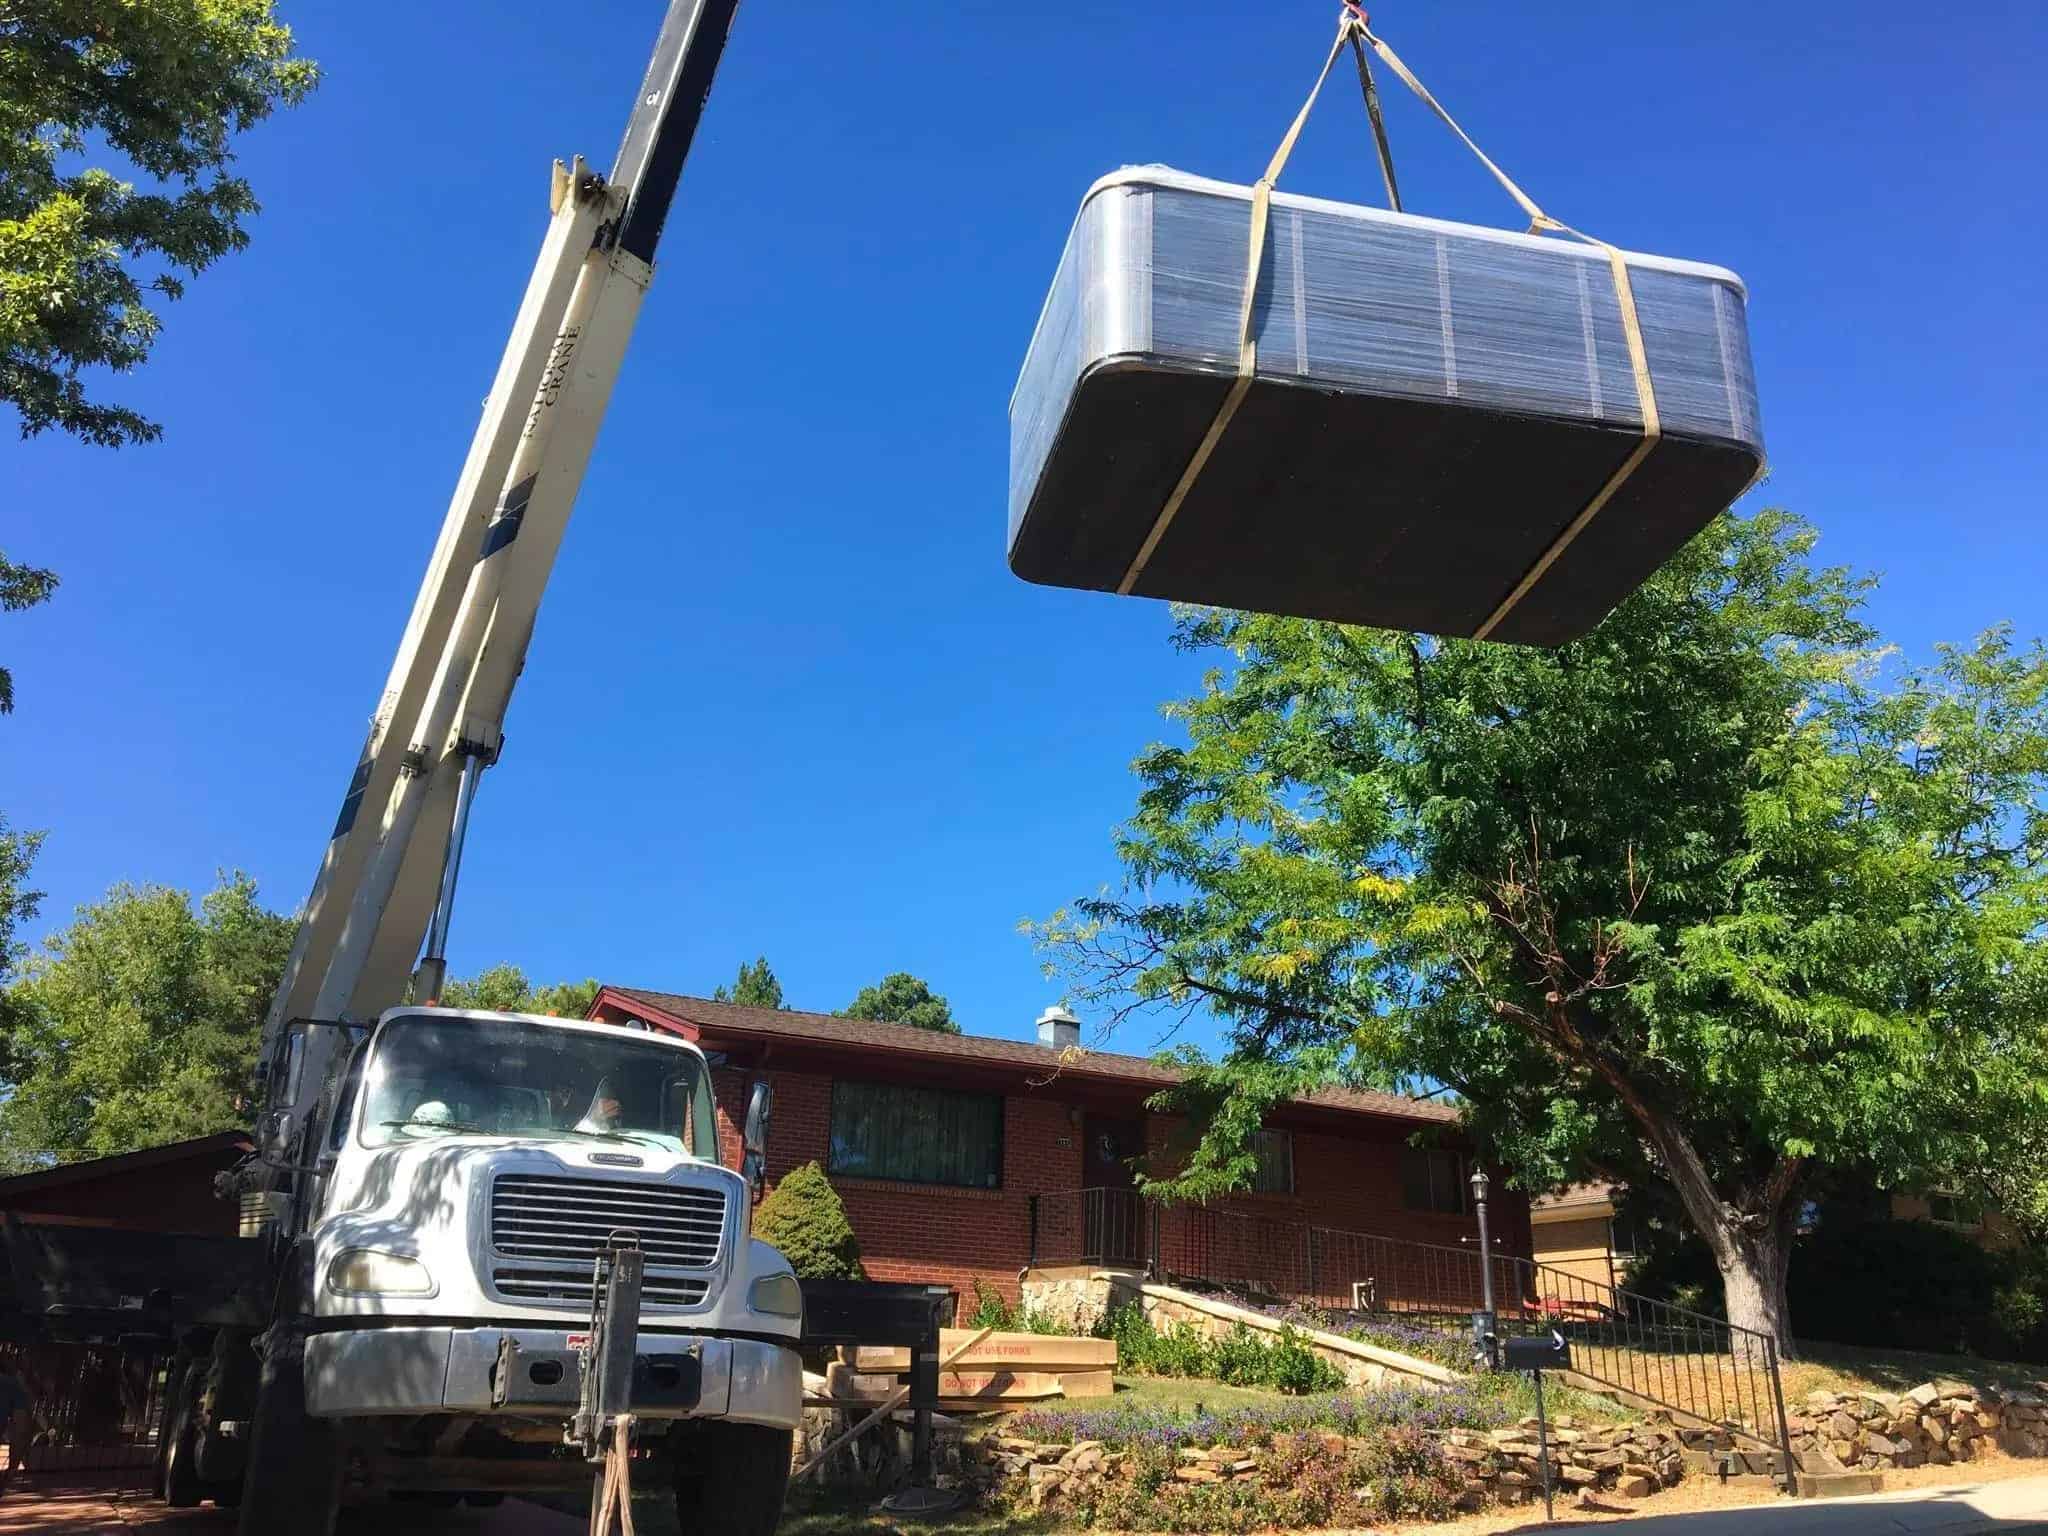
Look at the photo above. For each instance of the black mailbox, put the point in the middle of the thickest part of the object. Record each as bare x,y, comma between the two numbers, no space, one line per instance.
1543,1352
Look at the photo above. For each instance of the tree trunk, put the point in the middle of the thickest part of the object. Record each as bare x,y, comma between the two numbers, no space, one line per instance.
1753,1267
1752,1248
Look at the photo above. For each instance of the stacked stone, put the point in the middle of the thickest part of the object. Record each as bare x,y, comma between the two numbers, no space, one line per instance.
1045,1467
1630,1460
1935,1424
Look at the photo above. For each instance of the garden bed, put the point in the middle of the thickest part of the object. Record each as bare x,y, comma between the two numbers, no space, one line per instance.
1347,1460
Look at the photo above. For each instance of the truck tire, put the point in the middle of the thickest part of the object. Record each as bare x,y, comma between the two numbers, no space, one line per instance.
730,1478
293,1482
180,1484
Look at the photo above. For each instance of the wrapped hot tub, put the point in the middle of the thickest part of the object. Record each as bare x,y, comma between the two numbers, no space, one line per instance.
1433,405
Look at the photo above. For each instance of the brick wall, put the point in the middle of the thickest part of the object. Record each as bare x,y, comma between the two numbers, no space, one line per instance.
953,1237
928,1233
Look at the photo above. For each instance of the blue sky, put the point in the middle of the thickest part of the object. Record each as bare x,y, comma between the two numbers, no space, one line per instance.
785,697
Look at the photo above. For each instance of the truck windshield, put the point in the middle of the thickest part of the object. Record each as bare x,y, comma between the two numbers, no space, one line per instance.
430,1076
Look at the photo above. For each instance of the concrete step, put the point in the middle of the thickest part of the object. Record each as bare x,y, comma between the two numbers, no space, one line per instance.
1837,1485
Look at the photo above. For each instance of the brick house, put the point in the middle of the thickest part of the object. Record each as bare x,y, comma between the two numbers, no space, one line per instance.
964,1158
159,1189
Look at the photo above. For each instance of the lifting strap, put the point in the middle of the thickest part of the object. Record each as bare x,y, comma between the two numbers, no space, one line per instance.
1352,29
1379,127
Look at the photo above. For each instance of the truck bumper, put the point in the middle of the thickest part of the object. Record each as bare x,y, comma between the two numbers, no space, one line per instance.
532,1373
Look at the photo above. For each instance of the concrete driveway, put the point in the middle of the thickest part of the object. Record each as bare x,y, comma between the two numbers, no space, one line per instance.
53,1507
2010,1507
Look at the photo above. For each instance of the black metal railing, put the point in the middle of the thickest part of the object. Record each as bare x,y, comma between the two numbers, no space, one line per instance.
1708,1374
92,1407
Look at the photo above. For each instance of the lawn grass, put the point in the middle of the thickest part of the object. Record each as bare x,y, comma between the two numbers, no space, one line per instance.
1186,1393
1855,1368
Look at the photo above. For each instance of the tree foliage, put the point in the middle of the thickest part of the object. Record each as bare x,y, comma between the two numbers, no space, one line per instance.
901,998
138,1024
802,1218
505,989
754,987
159,88
18,905
21,586
1719,899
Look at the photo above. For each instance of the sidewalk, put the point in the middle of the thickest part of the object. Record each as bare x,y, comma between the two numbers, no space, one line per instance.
2009,1507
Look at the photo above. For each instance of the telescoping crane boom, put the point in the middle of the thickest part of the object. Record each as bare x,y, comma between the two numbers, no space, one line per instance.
387,878
437,1193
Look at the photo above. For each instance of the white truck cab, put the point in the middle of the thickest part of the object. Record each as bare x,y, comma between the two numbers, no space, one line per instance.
476,1165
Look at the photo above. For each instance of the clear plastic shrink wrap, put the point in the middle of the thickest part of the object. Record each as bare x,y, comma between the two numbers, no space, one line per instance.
1433,403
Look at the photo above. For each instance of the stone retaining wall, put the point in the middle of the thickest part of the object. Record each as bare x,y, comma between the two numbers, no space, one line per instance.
1936,1423
1074,1295
1504,1465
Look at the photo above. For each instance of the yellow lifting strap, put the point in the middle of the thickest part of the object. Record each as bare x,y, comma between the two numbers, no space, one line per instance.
1351,27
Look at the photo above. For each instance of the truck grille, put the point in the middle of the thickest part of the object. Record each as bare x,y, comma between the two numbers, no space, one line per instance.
545,1217
558,1286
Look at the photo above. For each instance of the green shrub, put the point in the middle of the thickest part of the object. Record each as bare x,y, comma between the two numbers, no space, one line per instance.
1243,1357
2017,1311
1240,1357
1292,1366
990,1310
803,1218
1897,1284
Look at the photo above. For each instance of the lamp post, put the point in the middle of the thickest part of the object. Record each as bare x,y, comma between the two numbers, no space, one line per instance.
1488,1329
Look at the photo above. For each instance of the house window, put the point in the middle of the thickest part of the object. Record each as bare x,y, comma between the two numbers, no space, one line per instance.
1433,1181
920,1135
1953,1210
1624,1237
1275,1152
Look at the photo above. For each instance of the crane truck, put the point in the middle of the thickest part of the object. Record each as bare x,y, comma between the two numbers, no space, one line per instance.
433,1189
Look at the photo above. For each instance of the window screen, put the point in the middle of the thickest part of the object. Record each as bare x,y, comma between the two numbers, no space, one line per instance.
1275,1152
922,1135
1433,1181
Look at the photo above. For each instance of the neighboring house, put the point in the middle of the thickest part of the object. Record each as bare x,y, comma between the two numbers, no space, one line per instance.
159,1189
1959,1213
1584,1241
1585,1245
965,1157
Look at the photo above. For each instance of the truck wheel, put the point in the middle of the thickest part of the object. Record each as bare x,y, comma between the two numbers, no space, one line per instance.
293,1482
730,1478
181,1486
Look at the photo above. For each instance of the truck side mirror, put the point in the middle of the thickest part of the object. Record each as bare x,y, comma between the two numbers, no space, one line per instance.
754,1166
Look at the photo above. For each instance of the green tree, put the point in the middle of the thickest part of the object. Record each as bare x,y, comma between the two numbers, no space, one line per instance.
803,1220
505,989
21,586
754,987
1720,899
138,1024
901,998
18,905
158,89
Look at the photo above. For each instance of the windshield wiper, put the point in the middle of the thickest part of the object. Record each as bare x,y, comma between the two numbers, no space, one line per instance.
644,1138
459,1127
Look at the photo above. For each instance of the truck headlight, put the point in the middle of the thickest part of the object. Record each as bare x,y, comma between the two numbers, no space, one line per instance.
368,1272
777,1295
